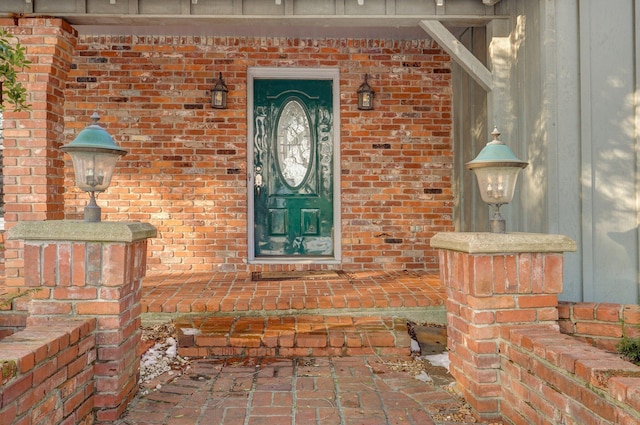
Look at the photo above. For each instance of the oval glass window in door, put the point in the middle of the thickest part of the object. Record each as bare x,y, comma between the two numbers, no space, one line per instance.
294,143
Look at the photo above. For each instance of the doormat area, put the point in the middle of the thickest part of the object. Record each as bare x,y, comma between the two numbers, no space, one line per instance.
299,275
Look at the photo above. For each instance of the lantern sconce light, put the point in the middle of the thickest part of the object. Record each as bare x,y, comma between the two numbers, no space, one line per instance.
365,95
497,169
94,155
219,94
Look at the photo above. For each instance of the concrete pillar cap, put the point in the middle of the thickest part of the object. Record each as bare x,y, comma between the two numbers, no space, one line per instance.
81,231
495,243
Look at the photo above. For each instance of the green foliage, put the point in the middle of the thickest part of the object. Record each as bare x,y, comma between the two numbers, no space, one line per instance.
8,369
6,300
629,348
12,61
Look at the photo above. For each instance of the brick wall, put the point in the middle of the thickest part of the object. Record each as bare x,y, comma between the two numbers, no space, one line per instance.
32,159
47,374
92,270
507,353
600,324
186,169
32,164
548,378
485,294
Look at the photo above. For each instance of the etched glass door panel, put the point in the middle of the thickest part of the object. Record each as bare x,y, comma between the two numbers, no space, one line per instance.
293,168
294,143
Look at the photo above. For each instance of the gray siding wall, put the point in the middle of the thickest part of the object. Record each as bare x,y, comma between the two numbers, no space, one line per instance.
608,145
597,146
571,93
470,132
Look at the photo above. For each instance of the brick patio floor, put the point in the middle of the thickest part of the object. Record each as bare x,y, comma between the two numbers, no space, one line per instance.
357,390
359,293
306,351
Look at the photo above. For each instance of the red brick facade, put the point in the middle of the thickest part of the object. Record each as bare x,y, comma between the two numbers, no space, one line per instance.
32,161
186,170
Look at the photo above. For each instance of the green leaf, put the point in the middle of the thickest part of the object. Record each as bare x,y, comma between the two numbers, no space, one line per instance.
12,60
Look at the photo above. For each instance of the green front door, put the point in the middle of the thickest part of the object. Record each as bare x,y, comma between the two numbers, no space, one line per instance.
293,168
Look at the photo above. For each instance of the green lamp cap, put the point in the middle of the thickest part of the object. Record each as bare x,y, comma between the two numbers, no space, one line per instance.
95,138
496,154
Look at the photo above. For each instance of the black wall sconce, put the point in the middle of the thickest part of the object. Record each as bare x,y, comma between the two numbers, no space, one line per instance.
365,95
219,94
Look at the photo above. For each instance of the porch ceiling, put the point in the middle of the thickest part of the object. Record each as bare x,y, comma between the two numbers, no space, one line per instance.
396,19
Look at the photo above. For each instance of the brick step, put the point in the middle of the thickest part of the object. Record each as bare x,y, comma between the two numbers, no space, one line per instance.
291,336
413,295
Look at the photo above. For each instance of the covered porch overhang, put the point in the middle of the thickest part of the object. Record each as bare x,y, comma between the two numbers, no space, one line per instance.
290,18
440,20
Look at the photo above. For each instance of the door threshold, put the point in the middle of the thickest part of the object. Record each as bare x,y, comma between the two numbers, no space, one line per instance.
295,260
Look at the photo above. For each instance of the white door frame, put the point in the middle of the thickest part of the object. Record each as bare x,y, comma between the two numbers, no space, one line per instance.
295,74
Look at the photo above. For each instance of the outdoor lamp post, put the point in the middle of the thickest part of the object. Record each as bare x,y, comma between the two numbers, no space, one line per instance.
94,155
496,168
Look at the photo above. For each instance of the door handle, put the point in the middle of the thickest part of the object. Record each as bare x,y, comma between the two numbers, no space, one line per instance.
257,181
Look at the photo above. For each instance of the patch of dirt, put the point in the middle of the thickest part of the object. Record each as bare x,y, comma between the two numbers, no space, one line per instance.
158,333
160,362
415,366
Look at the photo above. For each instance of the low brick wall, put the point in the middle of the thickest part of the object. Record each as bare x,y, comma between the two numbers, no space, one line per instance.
508,354
48,374
551,378
600,324
92,271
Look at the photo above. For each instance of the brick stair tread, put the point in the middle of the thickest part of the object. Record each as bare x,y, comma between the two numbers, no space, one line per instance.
290,336
236,293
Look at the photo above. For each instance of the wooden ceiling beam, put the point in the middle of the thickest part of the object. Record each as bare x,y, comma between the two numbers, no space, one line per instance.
459,53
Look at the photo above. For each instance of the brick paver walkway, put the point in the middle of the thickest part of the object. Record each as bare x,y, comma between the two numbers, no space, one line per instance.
363,390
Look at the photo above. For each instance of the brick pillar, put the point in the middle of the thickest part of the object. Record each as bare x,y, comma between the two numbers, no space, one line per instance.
493,281
33,165
92,270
